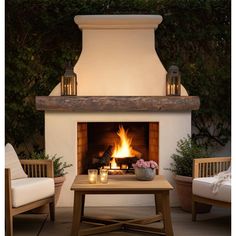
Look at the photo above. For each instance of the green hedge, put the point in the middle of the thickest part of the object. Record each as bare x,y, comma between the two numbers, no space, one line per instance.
41,37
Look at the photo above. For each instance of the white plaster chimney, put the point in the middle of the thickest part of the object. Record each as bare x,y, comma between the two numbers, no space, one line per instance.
119,57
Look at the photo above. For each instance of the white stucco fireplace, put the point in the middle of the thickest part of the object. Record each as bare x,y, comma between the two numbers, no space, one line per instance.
118,59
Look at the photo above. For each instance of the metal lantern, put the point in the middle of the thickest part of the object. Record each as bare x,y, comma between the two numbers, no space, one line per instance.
173,81
69,82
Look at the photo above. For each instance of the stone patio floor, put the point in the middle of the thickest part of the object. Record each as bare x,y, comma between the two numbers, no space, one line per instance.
215,223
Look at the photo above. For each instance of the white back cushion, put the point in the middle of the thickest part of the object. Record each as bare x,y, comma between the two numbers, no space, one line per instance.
12,162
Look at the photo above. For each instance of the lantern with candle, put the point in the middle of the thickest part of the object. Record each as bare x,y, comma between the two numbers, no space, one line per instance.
173,81
69,82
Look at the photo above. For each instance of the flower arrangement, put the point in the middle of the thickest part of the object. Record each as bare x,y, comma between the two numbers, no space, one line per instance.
145,170
145,164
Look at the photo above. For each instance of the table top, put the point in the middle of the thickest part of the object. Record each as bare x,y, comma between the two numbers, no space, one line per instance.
121,183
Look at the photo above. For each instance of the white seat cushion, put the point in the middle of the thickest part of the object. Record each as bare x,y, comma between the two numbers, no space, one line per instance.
12,162
28,190
203,187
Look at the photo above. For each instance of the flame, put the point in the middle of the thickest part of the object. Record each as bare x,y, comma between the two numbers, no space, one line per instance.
123,149
113,164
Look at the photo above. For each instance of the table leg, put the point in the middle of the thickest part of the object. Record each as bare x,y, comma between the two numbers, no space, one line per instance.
164,195
77,210
157,203
83,202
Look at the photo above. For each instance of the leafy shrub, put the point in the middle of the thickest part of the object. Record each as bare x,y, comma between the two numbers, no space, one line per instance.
58,165
186,151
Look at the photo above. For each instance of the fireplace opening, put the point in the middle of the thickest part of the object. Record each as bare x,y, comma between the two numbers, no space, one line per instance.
116,145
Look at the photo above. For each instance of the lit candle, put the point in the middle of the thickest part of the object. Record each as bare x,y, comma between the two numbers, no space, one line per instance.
70,88
103,176
172,89
92,176
168,90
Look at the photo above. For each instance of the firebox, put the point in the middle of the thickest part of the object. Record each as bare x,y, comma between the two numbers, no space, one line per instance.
116,145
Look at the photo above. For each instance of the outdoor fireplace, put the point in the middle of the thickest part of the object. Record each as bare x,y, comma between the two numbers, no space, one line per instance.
120,81
116,145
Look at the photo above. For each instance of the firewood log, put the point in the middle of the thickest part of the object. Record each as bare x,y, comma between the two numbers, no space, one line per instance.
104,160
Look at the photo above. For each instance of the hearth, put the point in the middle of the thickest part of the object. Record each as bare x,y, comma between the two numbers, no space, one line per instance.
116,145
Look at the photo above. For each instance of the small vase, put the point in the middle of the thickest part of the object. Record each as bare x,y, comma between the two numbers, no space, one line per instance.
145,174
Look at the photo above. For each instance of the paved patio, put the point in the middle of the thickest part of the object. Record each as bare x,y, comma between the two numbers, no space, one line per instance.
215,223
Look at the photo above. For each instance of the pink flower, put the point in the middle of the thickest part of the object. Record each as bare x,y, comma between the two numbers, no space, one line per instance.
148,164
139,164
145,164
153,166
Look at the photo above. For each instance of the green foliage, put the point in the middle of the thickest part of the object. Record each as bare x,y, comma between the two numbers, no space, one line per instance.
195,35
41,37
58,165
186,151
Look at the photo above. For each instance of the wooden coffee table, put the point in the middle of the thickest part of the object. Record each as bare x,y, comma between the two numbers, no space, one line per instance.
123,184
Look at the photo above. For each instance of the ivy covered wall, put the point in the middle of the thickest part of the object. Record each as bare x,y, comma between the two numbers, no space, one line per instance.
41,37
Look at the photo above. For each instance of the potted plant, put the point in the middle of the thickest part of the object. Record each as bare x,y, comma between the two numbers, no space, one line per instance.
59,170
182,167
145,170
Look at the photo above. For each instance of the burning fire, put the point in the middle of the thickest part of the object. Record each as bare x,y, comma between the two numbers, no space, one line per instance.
114,164
123,148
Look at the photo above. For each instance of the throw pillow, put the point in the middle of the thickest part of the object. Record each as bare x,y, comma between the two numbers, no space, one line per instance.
12,162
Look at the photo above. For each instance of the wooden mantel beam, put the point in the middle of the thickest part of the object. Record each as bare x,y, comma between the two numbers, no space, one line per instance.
117,103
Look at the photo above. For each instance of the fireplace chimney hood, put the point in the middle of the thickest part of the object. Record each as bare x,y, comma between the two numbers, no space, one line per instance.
119,57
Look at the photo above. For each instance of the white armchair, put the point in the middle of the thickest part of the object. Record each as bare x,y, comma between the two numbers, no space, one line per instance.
204,171
22,192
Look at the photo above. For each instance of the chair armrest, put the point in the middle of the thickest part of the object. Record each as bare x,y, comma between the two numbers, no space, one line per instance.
206,167
38,168
8,196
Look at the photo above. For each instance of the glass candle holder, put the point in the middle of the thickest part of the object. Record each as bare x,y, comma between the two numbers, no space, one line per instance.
92,176
104,176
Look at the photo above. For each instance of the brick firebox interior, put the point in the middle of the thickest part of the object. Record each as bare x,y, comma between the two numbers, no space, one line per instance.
96,136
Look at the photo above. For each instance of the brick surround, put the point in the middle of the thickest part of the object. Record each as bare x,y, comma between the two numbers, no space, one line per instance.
82,146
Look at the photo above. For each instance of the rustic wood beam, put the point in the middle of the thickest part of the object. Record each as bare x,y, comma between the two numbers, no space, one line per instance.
117,103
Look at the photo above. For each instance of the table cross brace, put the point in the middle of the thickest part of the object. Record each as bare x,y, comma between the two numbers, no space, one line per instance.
131,224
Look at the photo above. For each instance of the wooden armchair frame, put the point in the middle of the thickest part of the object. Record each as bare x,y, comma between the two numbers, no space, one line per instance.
33,168
208,167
